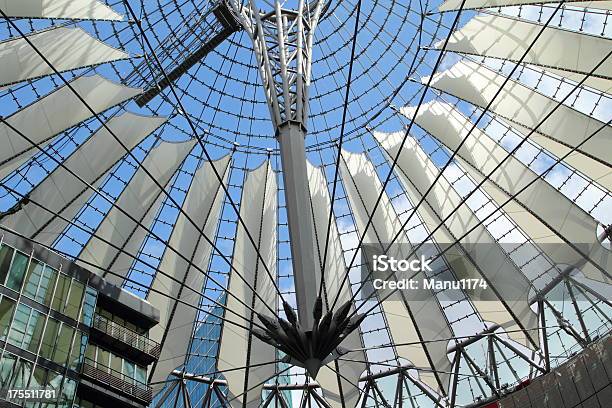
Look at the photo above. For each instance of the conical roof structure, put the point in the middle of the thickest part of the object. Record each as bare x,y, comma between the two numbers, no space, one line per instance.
239,164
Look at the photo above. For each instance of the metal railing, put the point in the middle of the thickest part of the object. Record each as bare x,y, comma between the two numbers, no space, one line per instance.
127,336
117,380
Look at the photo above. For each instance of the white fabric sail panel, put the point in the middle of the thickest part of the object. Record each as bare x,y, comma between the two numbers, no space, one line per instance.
119,268
68,9
258,209
61,192
555,210
450,5
203,205
54,113
508,38
605,290
477,84
64,48
335,267
488,305
135,199
536,229
335,270
337,389
409,321
592,169
56,226
511,285
541,234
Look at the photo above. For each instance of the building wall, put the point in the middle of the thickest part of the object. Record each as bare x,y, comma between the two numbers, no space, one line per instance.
52,314
44,320
585,381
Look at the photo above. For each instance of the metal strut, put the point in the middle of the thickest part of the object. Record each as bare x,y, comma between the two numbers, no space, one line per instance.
282,41
224,26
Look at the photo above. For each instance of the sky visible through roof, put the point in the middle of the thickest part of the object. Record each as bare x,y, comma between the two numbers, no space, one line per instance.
224,98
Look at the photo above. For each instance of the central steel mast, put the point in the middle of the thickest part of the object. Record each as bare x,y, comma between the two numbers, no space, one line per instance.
282,41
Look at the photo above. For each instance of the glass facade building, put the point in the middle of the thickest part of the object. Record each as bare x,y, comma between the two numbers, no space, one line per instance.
202,358
65,330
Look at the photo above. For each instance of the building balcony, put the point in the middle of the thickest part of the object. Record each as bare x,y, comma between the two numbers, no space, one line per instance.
114,381
115,336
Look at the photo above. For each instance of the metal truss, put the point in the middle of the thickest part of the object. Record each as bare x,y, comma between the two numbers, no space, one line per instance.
285,74
179,383
204,30
488,377
282,41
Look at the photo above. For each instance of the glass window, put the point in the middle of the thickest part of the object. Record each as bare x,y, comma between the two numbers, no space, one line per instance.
88,306
47,282
7,306
85,404
102,360
64,341
6,254
32,404
18,327
46,348
61,292
67,394
131,326
17,273
105,313
21,375
116,363
74,300
34,331
141,374
54,381
90,354
39,378
119,320
78,350
128,370
35,271
6,369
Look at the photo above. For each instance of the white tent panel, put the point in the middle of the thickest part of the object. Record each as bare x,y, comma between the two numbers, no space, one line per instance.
337,389
56,226
118,270
450,5
136,199
203,205
335,270
592,169
557,212
487,35
540,234
68,9
488,305
54,113
62,193
64,48
605,291
409,320
477,85
511,285
258,209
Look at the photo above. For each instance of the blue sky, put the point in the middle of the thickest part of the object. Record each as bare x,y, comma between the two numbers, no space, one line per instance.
227,104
